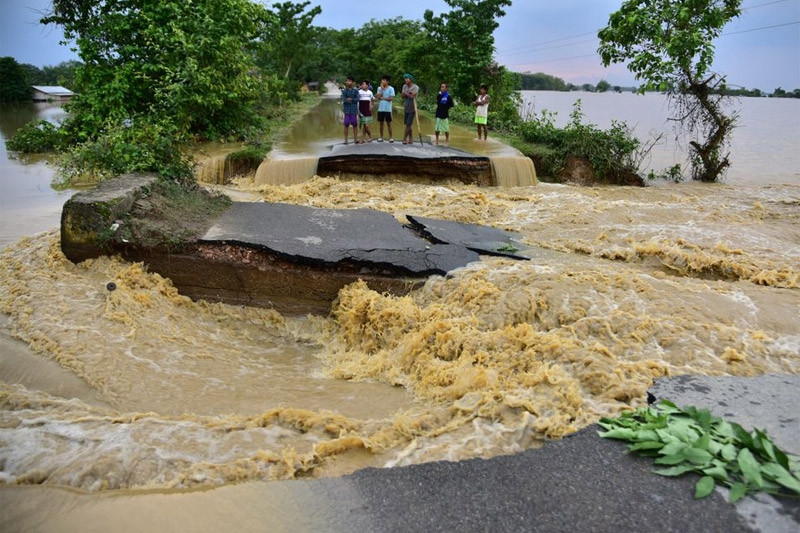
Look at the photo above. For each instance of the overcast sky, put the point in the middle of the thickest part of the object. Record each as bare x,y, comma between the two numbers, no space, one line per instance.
760,49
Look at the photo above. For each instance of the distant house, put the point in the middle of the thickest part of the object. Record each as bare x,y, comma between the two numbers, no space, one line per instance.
50,93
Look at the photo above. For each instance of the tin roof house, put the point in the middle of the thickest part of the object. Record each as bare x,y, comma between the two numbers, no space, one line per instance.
49,93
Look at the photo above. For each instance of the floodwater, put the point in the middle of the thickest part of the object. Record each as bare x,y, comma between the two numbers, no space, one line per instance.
763,146
136,399
294,159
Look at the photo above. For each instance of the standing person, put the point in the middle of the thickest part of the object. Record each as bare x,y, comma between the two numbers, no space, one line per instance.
365,111
350,108
409,93
385,97
482,112
443,104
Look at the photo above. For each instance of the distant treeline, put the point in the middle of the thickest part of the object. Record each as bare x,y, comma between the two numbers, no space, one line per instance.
16,79
62,74
545,82
777,93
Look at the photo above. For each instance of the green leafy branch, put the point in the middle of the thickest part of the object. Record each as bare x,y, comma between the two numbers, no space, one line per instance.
692,440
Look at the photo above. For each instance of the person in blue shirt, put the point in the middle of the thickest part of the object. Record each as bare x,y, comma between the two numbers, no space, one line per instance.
443,104
350,108
384,97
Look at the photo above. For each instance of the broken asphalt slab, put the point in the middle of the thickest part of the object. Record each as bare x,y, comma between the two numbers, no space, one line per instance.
291,258
480,239
326,237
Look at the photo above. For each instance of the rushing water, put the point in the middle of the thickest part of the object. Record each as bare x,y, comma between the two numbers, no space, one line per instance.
142,389
294,159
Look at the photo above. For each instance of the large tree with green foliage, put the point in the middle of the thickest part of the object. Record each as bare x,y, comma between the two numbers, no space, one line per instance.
15,84
668,45
288,39
463,40
183,62
391,46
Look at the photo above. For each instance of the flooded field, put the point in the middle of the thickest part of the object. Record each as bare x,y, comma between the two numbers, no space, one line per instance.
144,390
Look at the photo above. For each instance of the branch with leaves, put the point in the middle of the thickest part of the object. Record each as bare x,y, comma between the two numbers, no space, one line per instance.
693,440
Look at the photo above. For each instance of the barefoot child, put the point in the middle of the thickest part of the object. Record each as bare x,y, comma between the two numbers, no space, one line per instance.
350,108
385,96
365,111
482,112
443,104
409,93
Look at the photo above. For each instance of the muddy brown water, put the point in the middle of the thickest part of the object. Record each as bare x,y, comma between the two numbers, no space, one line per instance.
139,400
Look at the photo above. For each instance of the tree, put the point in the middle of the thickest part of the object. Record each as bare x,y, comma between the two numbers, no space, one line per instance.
182,62
464,40
602,86
668,45
288,38
15,85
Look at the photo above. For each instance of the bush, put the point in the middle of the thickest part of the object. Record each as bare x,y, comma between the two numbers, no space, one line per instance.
133,145
36,138
613,153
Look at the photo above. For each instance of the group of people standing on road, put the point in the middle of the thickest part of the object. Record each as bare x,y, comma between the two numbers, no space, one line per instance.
357,107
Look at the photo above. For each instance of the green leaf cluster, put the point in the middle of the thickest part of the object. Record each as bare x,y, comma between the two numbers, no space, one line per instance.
721,452
138,145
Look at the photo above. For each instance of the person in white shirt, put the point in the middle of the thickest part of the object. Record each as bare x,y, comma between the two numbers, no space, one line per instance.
365,97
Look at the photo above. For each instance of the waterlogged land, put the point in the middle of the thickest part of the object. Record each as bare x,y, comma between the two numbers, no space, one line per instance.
142,388
629,285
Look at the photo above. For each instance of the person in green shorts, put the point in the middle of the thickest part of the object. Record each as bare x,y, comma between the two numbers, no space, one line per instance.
482,112
443,104
365,97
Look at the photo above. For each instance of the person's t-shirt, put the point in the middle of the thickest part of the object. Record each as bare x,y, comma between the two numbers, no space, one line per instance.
351,107
365,102
482,110
385,106
408,105
444,101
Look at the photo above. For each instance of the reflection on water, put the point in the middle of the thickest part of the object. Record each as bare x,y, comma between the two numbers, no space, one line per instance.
143,389
28,202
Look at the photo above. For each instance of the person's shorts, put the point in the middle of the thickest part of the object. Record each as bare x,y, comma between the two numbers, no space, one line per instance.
480,120
408,119
350,120
363,119
442,125
384,116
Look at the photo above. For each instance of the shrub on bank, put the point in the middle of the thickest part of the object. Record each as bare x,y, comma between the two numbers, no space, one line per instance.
131,145
614,155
